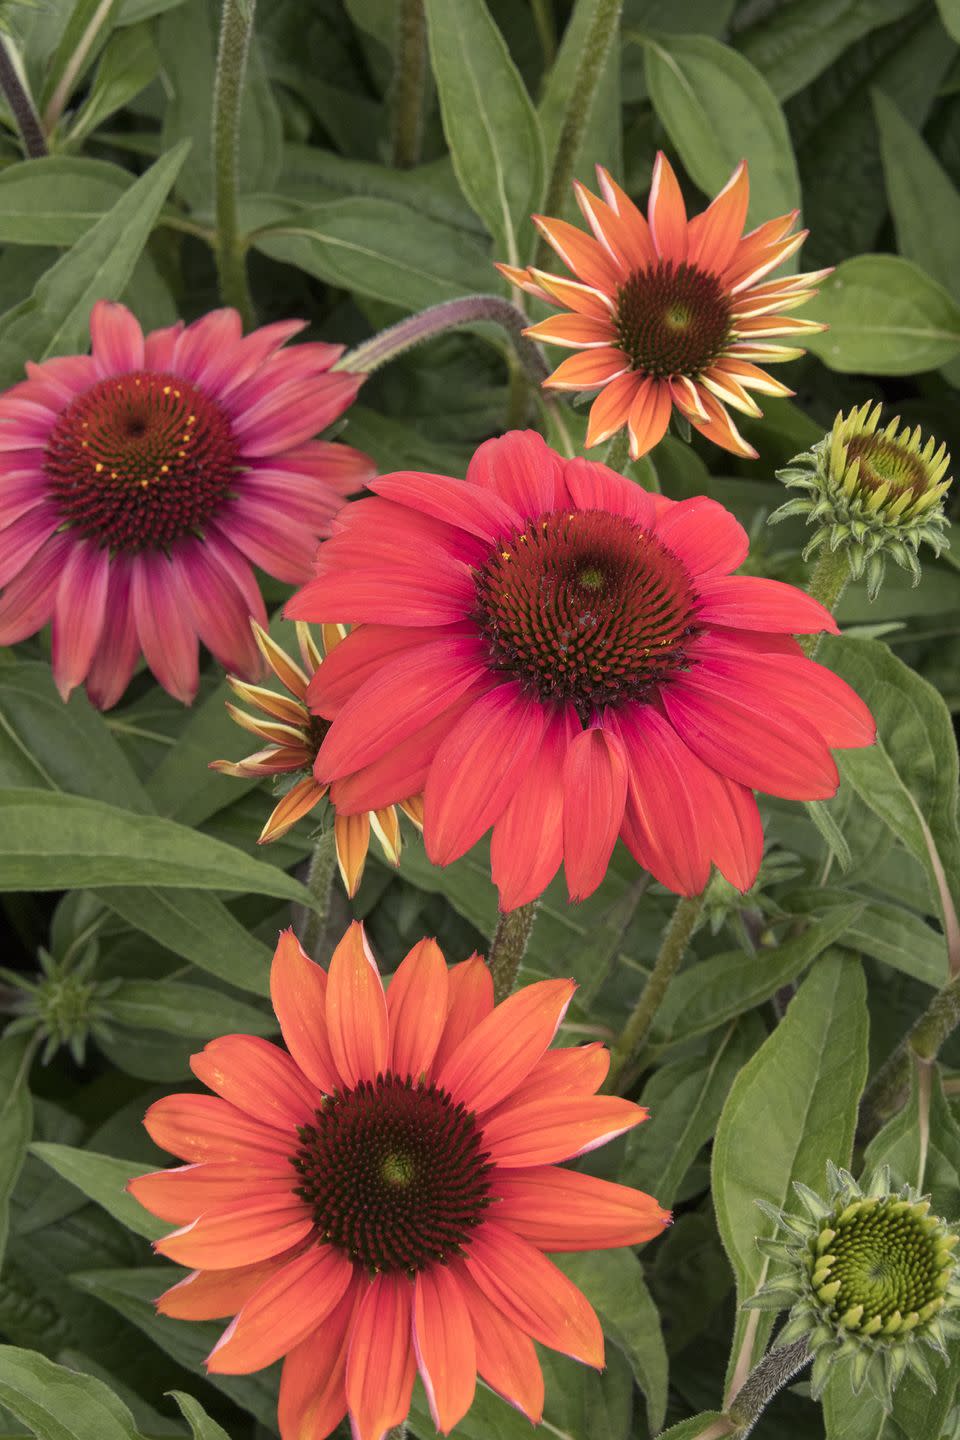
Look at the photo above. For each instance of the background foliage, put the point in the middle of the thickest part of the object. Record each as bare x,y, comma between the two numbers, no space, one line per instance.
121,853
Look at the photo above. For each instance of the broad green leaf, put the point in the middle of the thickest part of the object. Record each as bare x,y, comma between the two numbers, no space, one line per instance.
719,110
311,175
127,66
55,319
56,200
103,1179
924,202
199,1421
490,124
886,317
950,15
16,1119
381,249
65,842
183,1009
61,1404
793,42
918,1413
792,1108
613,1282
585,1403
887,932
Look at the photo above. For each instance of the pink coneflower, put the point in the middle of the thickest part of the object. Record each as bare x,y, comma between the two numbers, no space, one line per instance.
547,649
139,485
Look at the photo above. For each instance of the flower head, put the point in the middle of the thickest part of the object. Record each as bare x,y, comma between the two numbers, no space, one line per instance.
872,1276
871,493
669,312
377,1201
293,738
140,484
548,649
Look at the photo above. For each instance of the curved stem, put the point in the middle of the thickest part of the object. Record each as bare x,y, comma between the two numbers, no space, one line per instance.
22,108
888,1090
323,867
682,924
603,27
450,315
409,79
236,28
509,946
766,1379
74,67
827,584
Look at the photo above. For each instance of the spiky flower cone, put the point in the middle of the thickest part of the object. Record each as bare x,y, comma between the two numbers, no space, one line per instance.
872,1280
870,492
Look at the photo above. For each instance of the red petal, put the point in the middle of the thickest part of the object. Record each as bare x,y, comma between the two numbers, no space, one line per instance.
467,505
594,795
751,603
594,486
705,536
527,844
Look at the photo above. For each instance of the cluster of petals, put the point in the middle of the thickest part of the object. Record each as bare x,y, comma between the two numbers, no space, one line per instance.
419,699
640,283
354,1340
140,485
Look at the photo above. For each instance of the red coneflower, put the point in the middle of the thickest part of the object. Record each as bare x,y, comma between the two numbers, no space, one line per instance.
139,485
669,312
548,649
378,1201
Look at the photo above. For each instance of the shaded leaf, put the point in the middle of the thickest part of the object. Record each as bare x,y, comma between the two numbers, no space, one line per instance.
61,1404
886,317
16,1119
103,1179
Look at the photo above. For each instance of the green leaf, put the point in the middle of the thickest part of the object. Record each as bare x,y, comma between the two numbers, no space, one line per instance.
887,932
56,200
792,1108
793,42
950,15
200,1423
886,317
709,1425
719,110
924,202
613,1282
381,249
84,35
16,1119
918,1414
55,319
921,1144
128,65
66,842
61,1404
183,1009
103,1179
490,124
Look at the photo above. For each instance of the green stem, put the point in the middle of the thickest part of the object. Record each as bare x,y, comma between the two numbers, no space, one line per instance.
323,868
888,1090
22,108
682,924
74,67
509,946
827,584
546,30
236,29
767,1379
618,451
409,80
603,28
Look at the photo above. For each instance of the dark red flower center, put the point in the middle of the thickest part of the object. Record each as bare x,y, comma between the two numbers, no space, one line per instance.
587,607
395,1173
672,319
140,459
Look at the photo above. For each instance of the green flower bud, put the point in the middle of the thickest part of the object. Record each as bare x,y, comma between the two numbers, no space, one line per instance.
875,494
876,1278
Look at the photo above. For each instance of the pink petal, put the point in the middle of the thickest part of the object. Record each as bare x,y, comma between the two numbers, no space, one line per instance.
21,540
117,339
28,601
705,536
522,469
205,351
116,655
594,795
168,638
295,413
527,845
159,347
471,507
750,603
79,613
216,608
595,486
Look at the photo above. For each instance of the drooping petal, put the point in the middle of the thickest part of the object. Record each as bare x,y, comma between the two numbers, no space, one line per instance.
219,612
352,840
116,656
527,845
240,1235
594,795
284,1310
313,1398
557,1127
575,332
506,1357
79,614
505,1046
380,1362
357,1024
298,990
417,1003
564,1210
215,1294
259,1078
168,638
469,1000
444,1345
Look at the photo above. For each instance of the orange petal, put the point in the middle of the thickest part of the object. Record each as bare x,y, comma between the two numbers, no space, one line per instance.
287,671
533,1294
281,707
574,1070
506,1357
729,391
720,428
559,1209
380,1363
385,824
417,1006
523,280
606,226
750,376
611,409
313,1400
588,370
298,989
412,807
470,1000
503,1049
287,1307
204,1127
259,1078
667,213
580,253
634,236
181,1194
761,350
755,244
446,1352
715,234
687,398
585,299
768,260
215,1294
356,1010
756,325
352,834
576,332
545,1131
239,1236
299,800
649,417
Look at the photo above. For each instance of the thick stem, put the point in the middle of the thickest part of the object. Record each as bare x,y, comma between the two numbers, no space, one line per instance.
827,584
888,1090
603,27
22,107
323,867
236,29
409,79
509,946
683,922
450,315
766,1379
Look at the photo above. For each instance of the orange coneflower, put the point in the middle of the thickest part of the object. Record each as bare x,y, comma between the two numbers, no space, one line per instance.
293,738
378,1201
669,312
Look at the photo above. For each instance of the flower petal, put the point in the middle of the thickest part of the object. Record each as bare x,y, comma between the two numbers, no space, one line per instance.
204,1127
298,989
259,1078
357,1023
594,486
505,1046
506,1357
417,1003
572,1070
287,1307
649,416
444,1345
215,1294
469,1000
79,614
380,1361
469,506
116,656
589,369
181,1194
168,638
239,1236
527,845
667,213
705,536
715,234
575,332
565,1210
611,409
748,602
117,339
594,795
556,1127
313,1399
352,841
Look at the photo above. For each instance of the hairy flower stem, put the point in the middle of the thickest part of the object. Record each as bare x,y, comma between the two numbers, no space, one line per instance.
509,946
682,924
827,584
323,868
21,106
766,1379
888,1091
409,79
603,28
236,29
450,315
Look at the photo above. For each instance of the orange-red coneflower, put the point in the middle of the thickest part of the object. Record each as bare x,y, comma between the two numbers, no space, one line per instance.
667,312
377,1201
